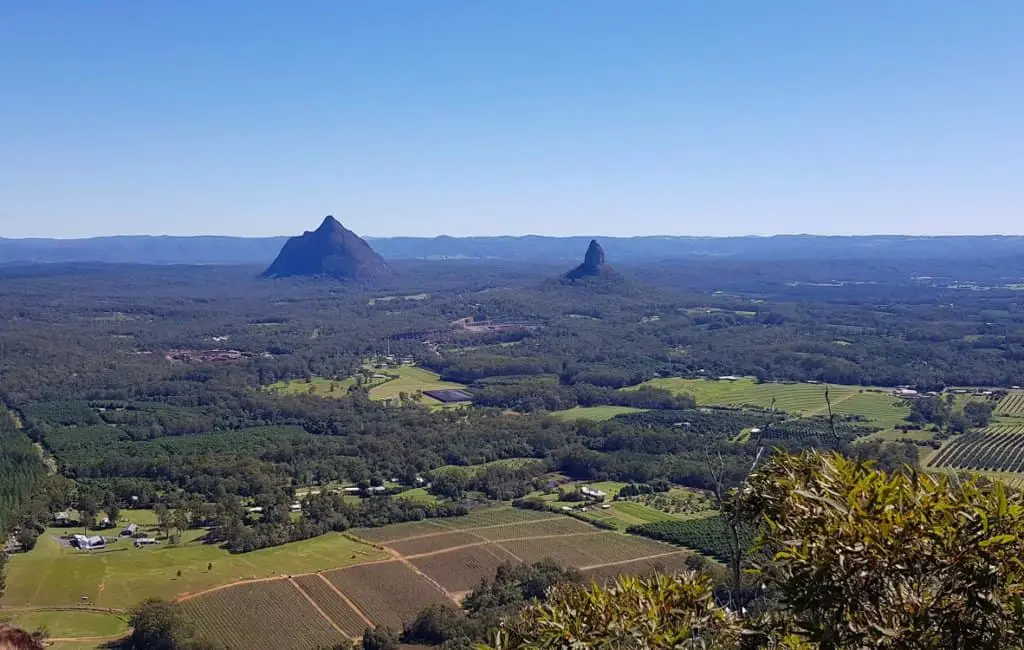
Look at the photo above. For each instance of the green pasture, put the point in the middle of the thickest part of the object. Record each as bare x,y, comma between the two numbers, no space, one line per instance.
419,495
595,413
411,380
55,575
71,623
475,469
406,379
873,404
319,386
620,514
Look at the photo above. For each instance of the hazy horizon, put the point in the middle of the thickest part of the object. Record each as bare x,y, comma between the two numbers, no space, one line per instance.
597,236
414,119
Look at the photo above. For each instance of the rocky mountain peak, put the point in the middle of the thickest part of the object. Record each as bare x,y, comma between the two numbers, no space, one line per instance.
330,250
593,263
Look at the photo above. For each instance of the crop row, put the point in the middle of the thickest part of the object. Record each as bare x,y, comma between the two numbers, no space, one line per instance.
262,616
709,535
997,449
1012,404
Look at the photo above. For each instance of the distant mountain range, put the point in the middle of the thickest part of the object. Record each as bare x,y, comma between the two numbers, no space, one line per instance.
629,250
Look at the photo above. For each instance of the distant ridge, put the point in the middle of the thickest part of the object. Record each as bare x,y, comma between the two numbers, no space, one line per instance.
331,250
132,249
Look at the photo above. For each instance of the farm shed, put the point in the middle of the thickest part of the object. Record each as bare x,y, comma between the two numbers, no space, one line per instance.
129,530
449,396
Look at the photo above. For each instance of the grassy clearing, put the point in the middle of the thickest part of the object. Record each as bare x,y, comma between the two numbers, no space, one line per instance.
419,495
595,413
383,299
620,514
476,469
72,624
53,574
411,380
874,404
623,514
405,379
315,386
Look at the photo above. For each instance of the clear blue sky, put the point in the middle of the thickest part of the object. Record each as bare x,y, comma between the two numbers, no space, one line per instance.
705,117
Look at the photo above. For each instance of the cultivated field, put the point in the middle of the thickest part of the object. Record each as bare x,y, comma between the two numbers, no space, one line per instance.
1012,405
999,448
595,413
396,532
428,562
46,585
875,404
461,570
663,564
431,543
328,599
388,593
284,617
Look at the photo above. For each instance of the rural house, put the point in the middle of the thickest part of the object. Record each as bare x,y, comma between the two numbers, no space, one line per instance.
591,493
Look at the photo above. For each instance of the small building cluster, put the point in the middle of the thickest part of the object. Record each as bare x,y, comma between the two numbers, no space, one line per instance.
88,543
591,493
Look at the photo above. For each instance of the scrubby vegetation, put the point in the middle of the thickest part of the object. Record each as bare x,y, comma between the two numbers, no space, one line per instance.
850,557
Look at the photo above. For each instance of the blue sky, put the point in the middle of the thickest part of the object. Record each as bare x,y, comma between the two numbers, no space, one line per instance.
703,117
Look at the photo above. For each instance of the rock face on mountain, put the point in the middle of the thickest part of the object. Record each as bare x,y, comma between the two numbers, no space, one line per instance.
593,264
330,250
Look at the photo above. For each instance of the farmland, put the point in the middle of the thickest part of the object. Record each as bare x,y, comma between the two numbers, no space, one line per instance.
319,386
874,404
622,513
387,593
53,574
595,413
72,623
287,619
428,562
999,448
404,379
411,380
326,597
461,570
709,535
1012,405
